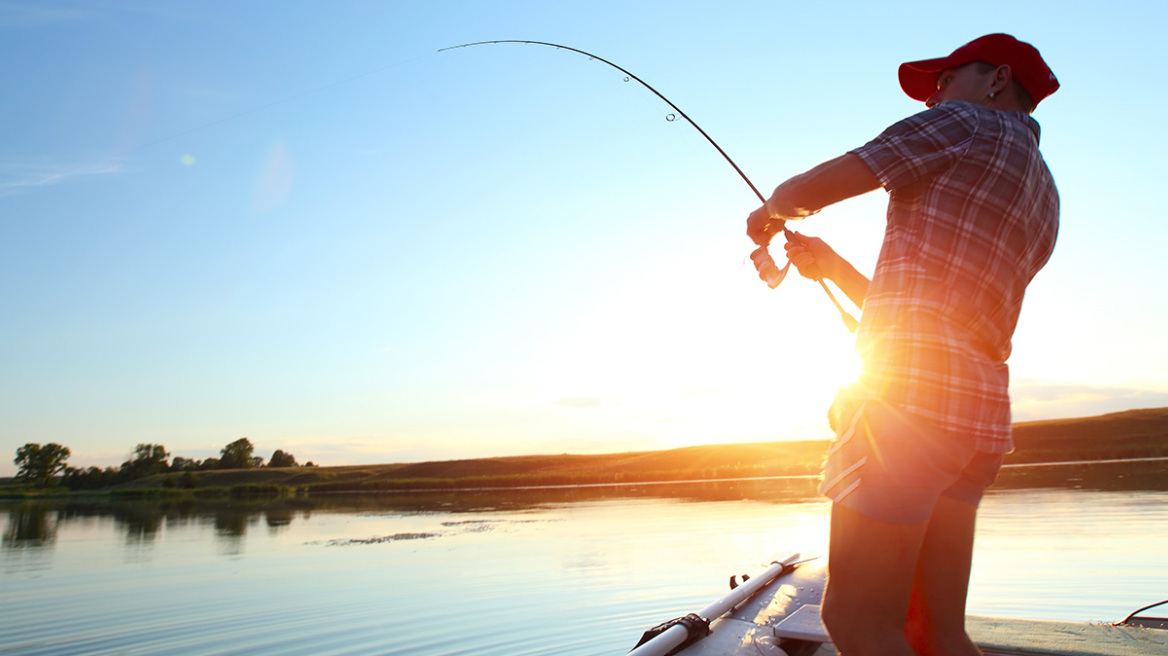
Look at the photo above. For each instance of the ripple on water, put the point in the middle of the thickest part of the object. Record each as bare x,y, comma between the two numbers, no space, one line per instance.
571,578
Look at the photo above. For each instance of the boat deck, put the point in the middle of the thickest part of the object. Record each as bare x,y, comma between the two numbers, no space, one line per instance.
1009,637
1003,636
783,619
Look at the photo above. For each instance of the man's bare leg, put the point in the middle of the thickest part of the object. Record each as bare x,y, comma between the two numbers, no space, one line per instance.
870,570
936,617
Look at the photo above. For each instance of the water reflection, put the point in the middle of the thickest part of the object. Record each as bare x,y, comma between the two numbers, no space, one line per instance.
140,522
30,525
231,523
278,518
388,573
1149,474
34,524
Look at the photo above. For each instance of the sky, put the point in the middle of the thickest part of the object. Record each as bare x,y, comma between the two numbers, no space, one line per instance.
301,223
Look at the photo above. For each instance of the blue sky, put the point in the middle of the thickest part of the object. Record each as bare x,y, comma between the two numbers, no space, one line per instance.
300,223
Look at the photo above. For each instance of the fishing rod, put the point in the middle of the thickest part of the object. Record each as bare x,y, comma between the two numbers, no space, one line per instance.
761,257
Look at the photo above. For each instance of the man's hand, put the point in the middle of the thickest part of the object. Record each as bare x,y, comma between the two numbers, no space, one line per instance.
812,257
769,220
761,227
816,260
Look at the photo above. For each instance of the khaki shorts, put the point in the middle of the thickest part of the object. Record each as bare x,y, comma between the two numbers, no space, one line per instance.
888,467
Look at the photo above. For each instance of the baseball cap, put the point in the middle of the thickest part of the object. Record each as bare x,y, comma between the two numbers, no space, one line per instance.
919,78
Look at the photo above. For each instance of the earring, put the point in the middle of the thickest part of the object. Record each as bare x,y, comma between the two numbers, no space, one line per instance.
991,95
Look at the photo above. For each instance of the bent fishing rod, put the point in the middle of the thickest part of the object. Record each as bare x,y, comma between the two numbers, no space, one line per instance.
761,257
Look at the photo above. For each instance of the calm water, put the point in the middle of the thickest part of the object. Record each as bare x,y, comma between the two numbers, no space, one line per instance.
578,572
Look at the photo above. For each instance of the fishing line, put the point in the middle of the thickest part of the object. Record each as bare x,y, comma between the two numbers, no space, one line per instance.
761,257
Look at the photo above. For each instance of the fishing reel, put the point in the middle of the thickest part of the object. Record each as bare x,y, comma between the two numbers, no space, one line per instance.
768,271
772,275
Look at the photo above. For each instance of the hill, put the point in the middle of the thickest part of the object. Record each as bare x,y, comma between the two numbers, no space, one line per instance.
1129,434
689,463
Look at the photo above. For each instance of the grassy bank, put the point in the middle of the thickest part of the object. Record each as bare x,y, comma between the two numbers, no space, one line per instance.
1131,434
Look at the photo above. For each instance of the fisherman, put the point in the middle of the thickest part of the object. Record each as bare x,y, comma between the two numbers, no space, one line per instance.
972,217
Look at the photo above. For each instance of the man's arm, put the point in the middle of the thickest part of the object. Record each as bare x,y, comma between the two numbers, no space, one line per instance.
828,183
816,260
809,192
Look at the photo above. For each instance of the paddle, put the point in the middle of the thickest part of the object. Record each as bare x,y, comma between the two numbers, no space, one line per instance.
676,635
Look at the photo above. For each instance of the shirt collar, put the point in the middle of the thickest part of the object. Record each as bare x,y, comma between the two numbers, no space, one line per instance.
1025,118
1030,123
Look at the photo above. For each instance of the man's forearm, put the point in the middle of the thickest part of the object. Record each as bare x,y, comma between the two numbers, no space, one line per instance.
816,260
850,281
828,183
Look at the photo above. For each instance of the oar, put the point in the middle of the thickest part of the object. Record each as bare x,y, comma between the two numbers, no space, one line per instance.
675,635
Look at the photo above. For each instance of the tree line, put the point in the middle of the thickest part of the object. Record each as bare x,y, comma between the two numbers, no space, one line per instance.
47,465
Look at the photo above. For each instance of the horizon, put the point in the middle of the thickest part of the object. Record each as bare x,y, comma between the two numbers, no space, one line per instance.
636,452
306,226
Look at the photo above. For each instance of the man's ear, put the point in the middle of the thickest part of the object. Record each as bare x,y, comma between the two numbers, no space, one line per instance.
1002,77
1004,83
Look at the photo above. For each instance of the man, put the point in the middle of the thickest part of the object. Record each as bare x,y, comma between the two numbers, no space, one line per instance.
972,217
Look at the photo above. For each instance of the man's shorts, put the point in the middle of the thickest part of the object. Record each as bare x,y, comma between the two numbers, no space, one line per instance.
889,467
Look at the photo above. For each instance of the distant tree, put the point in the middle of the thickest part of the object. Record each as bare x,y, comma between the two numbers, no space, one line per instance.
93,478
70,475
257,461
40,465
209,463
83,479
148,459
237,455
282,459
179,464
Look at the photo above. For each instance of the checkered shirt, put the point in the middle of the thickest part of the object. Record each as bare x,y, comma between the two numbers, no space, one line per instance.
972,217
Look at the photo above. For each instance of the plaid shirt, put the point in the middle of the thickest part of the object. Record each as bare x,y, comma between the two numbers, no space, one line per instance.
972,217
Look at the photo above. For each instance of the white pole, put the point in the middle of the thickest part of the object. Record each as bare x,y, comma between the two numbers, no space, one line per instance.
666,642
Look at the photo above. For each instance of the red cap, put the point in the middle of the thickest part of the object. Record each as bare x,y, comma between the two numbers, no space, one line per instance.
919,78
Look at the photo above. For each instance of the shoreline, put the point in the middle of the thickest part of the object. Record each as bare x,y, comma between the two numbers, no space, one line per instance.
1046,451
1149,473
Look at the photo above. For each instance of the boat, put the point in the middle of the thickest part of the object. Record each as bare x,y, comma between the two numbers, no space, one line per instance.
776,613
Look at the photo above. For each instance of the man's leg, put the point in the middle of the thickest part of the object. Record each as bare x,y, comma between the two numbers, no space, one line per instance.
936,617
871,566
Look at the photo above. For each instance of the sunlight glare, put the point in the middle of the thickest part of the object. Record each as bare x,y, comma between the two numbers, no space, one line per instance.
698,362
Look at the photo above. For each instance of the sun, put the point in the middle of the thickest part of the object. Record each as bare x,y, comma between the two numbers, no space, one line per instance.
700,362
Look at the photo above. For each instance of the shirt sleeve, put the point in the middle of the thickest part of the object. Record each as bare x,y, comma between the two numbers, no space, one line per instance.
920,146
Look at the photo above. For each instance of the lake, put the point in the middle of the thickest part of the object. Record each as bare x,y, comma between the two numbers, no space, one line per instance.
573,572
